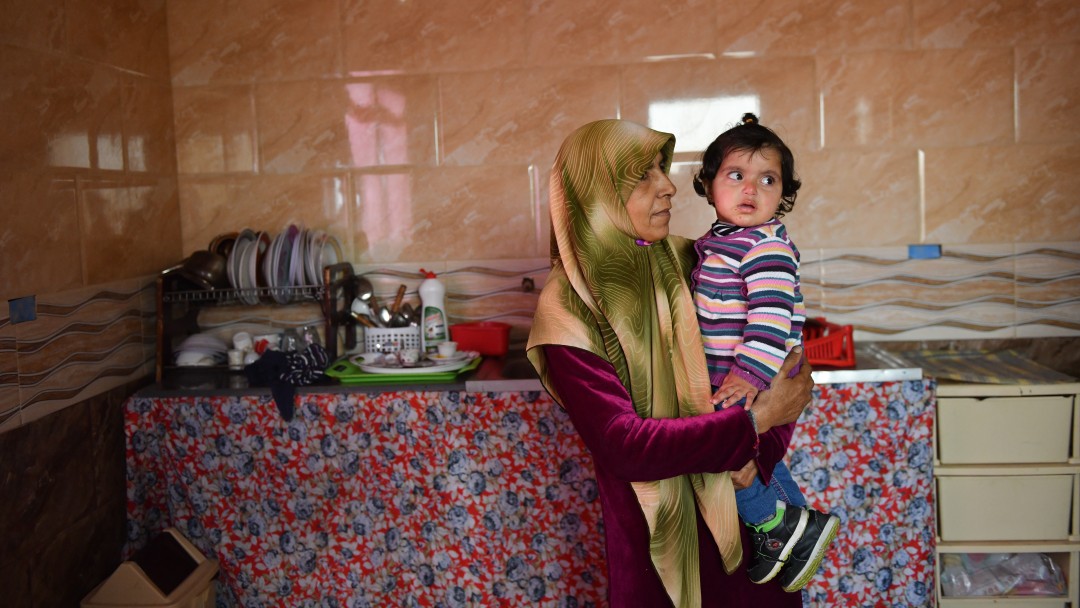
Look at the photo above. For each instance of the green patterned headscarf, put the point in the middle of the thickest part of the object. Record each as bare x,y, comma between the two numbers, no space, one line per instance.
630,304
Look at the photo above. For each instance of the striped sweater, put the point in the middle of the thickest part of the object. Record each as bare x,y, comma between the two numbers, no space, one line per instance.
749,305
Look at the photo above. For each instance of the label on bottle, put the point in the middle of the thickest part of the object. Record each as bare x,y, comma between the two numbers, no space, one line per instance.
434,325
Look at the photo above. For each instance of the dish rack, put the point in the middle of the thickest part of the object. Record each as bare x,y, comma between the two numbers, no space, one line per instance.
828,344
179,303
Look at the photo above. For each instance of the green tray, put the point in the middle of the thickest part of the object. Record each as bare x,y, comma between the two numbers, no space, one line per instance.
347,372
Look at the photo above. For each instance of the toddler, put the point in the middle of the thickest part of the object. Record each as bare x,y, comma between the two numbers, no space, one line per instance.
751,313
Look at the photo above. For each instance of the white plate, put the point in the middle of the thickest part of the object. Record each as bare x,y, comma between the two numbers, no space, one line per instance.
423,367
458,356
296,256
313,253
243,240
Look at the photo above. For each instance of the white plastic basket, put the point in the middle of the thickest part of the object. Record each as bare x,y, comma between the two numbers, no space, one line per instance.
391,339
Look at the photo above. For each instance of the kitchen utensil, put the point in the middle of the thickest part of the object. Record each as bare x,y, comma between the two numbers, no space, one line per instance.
364,288
384,316
408,313
206,269
396,318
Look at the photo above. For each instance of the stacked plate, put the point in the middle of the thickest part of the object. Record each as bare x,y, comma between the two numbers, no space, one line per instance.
201,350
293,258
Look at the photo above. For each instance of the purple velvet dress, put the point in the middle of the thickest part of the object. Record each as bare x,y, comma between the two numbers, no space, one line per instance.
628,448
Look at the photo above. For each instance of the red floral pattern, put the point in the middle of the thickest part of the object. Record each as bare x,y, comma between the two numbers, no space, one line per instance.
864,452
483,499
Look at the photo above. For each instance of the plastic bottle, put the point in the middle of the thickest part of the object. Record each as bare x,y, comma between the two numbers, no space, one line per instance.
433,326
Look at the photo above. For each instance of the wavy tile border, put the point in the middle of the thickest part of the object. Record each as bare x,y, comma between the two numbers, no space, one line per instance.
83,342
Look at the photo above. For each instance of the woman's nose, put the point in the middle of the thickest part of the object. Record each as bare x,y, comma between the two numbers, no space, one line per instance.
667,187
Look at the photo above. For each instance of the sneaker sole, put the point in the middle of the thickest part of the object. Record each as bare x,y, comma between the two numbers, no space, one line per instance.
827,536
786,552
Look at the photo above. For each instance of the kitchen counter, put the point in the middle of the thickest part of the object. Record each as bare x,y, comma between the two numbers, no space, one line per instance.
406,495
511,373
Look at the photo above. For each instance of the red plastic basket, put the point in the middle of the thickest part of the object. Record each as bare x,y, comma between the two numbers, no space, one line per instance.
828,344
485,337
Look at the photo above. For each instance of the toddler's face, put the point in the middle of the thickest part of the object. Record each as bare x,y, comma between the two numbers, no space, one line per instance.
746,190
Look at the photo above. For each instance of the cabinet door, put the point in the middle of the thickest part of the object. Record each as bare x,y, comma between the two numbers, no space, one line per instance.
1004,429
1005,507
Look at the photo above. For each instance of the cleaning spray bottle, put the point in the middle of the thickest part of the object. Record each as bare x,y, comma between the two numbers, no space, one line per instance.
433,326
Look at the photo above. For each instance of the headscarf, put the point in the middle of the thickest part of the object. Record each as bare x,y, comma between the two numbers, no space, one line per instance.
630,304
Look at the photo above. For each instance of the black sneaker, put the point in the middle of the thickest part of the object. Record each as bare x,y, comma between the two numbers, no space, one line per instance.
804,561
772,548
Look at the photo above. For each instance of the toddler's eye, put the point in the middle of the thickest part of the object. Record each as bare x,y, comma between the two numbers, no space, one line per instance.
768,180
735,175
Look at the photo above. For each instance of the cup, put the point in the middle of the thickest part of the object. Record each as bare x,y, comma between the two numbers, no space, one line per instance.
242,341
236,359
447,349
409,356
250,357
370,358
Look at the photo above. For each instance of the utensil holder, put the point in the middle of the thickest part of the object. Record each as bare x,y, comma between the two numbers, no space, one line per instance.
390,339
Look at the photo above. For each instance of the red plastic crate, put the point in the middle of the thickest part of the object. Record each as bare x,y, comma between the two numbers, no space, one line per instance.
485,337
828,344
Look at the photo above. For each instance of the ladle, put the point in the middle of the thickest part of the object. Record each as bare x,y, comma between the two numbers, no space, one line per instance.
364,289
396,318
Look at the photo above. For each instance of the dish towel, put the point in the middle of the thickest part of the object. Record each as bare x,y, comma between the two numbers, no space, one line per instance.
283,372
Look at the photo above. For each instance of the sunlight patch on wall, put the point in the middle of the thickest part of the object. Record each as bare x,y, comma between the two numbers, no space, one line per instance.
696,122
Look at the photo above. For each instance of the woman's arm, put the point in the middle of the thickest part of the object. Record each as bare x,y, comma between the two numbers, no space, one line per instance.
643,449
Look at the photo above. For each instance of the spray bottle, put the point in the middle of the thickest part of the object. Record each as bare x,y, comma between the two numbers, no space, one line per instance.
433,325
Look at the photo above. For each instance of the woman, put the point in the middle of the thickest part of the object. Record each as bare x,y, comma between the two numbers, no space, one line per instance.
616,343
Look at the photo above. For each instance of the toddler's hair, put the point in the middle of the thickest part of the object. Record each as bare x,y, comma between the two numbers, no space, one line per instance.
749,136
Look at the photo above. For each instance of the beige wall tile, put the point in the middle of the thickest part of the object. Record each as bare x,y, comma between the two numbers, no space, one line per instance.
917,98
1048,104
39,240
446,213
697,100
976,23
80,126
394,36
691,215
1002,194
149,143
565,32
128,228
519,116
215,129
856,199
268,203
122,33
253,40
798,27
334,124
33,24
302,126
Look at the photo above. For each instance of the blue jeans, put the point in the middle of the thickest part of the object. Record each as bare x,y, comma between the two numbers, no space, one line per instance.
757,503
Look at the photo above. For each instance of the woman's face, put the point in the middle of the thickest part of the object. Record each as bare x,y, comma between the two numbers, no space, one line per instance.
746,190
649,205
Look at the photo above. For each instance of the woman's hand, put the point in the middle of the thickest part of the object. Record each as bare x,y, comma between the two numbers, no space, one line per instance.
744,476
787,397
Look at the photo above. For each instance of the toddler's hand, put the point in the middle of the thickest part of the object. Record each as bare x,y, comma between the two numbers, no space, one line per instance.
732,390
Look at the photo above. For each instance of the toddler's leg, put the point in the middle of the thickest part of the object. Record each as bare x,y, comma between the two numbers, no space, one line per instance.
775,528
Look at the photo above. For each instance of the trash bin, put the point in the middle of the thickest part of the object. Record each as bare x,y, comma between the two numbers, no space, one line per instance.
168,573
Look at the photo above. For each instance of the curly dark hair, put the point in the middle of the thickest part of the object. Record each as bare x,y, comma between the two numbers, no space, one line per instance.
749,136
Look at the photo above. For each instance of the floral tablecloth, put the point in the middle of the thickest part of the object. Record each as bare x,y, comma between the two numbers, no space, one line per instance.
483,499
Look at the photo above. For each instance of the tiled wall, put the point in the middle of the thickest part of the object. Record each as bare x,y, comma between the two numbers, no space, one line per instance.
90,209
421,135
